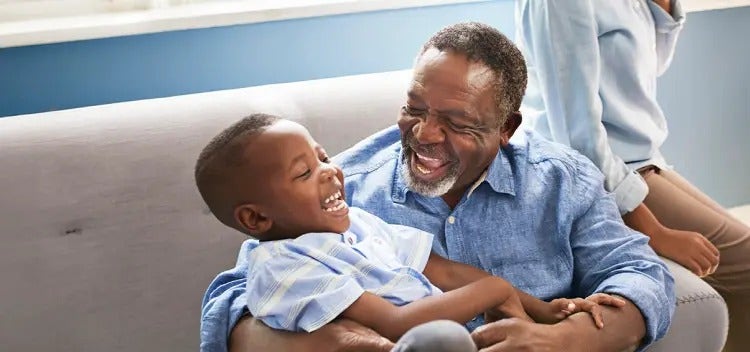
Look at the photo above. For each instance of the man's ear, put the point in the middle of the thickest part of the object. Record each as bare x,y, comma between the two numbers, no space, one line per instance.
250,218
510,126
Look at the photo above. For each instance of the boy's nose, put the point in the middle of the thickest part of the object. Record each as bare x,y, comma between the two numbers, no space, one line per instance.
328,171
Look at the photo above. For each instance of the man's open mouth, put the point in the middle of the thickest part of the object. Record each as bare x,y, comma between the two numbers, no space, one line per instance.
426,167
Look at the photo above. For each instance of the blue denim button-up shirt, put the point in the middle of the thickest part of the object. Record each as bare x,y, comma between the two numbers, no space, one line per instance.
540,219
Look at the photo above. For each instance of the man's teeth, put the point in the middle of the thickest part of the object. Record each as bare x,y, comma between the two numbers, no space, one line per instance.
426,165
426,159
423,169
335,196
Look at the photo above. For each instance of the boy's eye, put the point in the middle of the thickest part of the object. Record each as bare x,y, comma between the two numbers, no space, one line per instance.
324,158
305,174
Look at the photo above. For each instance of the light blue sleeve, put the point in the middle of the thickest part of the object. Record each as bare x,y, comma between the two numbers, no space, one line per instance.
562,44
610,257
291,290
411,245
668,28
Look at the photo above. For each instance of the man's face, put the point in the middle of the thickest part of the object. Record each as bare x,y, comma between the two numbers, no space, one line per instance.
449,124
301,191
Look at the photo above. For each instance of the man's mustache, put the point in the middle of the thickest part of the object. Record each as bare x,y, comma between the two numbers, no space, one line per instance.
429,150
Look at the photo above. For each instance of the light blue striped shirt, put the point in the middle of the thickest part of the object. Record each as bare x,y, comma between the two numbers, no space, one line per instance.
593,66
302,284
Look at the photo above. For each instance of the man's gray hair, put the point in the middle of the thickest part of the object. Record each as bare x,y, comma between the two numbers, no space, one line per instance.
485,44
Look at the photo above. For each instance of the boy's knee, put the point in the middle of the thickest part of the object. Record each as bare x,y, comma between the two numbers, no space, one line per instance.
436,336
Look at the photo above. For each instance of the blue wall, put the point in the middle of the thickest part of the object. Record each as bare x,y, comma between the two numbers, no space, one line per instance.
706,93
706,98
66,75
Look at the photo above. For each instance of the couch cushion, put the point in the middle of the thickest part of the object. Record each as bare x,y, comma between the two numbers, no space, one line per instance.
107,245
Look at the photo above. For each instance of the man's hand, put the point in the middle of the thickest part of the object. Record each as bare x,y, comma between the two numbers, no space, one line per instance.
689,249
625,328
353,337
518,335
342,335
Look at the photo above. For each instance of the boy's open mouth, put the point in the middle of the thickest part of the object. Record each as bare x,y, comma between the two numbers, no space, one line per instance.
334,203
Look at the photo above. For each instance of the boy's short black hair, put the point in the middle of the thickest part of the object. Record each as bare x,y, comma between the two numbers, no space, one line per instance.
225,152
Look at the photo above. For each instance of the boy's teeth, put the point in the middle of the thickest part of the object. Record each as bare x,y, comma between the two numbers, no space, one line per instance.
338,207
335,196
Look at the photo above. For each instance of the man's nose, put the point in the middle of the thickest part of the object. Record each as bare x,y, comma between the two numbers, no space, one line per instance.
428,131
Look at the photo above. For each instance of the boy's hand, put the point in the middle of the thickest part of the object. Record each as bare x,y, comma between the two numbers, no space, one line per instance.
564,307
511,308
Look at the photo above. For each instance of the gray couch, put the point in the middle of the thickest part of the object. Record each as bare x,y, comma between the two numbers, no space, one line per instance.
106,245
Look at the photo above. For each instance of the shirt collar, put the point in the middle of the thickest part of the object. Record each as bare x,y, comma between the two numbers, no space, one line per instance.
500,173
499,176
398,189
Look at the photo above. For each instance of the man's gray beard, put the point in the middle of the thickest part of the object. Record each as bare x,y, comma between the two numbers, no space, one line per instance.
428,189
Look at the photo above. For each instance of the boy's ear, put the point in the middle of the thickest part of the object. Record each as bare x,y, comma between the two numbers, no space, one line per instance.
251,219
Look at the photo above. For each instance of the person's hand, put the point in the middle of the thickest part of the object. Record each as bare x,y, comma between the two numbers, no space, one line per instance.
560,308
689,249
353,337
511,308
518,335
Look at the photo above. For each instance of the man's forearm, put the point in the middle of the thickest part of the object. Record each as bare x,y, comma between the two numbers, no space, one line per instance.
624,328
251,335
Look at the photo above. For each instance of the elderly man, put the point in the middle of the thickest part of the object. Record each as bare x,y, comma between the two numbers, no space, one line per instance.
530,211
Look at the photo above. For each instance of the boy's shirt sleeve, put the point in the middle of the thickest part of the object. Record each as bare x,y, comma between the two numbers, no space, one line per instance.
412,246
291,290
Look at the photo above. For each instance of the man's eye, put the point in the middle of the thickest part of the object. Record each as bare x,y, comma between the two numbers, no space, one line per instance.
412,111
464,128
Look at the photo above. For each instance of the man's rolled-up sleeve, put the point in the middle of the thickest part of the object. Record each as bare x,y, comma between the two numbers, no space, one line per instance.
610,257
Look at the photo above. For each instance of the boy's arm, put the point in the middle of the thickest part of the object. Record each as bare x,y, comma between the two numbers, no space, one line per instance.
448,275
460,305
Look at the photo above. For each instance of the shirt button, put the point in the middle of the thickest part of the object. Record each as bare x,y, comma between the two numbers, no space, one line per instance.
451,219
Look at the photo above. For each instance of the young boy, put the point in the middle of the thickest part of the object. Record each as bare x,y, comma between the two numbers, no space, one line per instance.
318,259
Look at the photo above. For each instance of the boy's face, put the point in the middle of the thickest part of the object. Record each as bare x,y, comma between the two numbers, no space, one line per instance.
296,189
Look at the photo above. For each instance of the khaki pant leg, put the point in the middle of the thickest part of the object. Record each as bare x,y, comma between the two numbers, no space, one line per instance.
679,205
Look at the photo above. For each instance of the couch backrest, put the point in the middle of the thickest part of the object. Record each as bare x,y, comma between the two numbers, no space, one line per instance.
106,244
